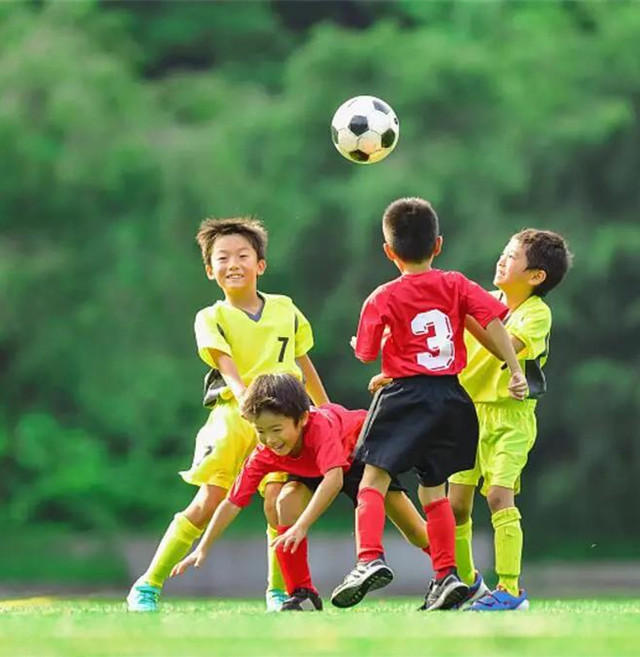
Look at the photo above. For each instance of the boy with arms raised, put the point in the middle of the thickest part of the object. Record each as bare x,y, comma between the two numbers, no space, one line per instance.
531,265
247,334
423,420
315,446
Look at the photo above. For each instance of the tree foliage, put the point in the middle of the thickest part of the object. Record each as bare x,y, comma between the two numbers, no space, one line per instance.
123,125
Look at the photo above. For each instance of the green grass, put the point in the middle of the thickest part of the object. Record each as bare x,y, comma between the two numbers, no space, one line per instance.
384,627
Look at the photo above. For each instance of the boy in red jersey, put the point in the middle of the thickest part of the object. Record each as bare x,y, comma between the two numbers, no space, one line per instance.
423,420
315,446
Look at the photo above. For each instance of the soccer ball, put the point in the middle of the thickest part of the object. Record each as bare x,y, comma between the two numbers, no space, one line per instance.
365,129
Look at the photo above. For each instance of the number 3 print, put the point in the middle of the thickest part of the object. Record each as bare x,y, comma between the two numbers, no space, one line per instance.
436,327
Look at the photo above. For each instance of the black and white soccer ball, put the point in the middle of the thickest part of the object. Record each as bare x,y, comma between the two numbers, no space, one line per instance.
365,129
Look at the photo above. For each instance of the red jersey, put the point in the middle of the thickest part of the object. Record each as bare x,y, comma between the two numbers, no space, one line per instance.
418,319
328,440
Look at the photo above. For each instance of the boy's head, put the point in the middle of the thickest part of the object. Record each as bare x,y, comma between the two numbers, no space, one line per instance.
278,407
233,251
411,231
533,259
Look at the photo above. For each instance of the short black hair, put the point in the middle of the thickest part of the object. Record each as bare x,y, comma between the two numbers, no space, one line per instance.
410,227
280,394
547,251
251,229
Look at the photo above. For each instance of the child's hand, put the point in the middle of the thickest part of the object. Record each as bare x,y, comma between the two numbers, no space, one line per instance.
518,387
378,381
195,559
290,540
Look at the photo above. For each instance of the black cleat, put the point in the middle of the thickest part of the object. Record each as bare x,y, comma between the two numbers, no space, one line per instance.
445,593
366,576
302,600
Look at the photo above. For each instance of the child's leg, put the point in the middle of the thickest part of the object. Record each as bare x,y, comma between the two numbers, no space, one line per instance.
461,499
441,528
184,530
404,515
370,514
292,501
275,580
505,518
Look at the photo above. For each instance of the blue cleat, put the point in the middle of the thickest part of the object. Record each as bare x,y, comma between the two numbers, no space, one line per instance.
143,597
501,600
477,590
275,599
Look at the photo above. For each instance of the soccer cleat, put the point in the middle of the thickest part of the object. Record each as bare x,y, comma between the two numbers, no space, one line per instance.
445,593
477,590
366,576
143,597
275,599
501,600
302,600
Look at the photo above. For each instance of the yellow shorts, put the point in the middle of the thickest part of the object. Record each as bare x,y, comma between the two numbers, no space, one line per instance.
507,434
222,445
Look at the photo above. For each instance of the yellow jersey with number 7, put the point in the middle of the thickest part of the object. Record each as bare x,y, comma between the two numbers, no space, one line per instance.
266,343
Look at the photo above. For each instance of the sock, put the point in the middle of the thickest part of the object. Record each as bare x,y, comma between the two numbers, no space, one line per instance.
174,546
370,517
275,579
464,553
295,566
508,547
441,528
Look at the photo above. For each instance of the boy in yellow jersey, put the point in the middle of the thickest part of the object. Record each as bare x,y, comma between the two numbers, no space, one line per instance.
531,265
247,334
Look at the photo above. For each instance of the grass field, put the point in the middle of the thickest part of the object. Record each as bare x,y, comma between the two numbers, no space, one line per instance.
43,627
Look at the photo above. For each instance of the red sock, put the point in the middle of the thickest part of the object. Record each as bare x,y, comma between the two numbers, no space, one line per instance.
370,518
441,527
295,566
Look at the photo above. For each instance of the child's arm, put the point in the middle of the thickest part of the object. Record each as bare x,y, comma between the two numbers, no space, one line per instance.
229,372
224,515
312,381
504,350
473,326
325,494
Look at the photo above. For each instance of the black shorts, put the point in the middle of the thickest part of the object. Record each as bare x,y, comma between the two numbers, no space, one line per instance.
422,423
350,483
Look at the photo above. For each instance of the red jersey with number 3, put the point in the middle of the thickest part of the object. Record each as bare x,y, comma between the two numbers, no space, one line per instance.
418,320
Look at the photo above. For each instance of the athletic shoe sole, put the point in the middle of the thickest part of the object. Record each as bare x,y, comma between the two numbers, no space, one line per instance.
351,595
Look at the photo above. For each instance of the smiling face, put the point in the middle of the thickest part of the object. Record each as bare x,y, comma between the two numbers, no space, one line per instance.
279,433
512,270
234,263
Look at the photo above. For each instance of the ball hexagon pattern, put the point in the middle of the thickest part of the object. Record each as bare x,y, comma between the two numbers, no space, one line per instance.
365,129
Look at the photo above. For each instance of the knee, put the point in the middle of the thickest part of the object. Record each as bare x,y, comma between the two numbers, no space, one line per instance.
290,503
499,498
201,509
461,512
270,504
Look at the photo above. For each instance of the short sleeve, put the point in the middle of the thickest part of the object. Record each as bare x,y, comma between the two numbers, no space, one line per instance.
370,330
210,335
303,334
249,478
532,329
482,305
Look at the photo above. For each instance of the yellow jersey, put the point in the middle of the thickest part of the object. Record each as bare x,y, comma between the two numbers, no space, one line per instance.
486,378
267,343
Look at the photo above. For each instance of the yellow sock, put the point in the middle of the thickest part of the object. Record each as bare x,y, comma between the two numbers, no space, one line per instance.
175,544
274,576
464,553
508,547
